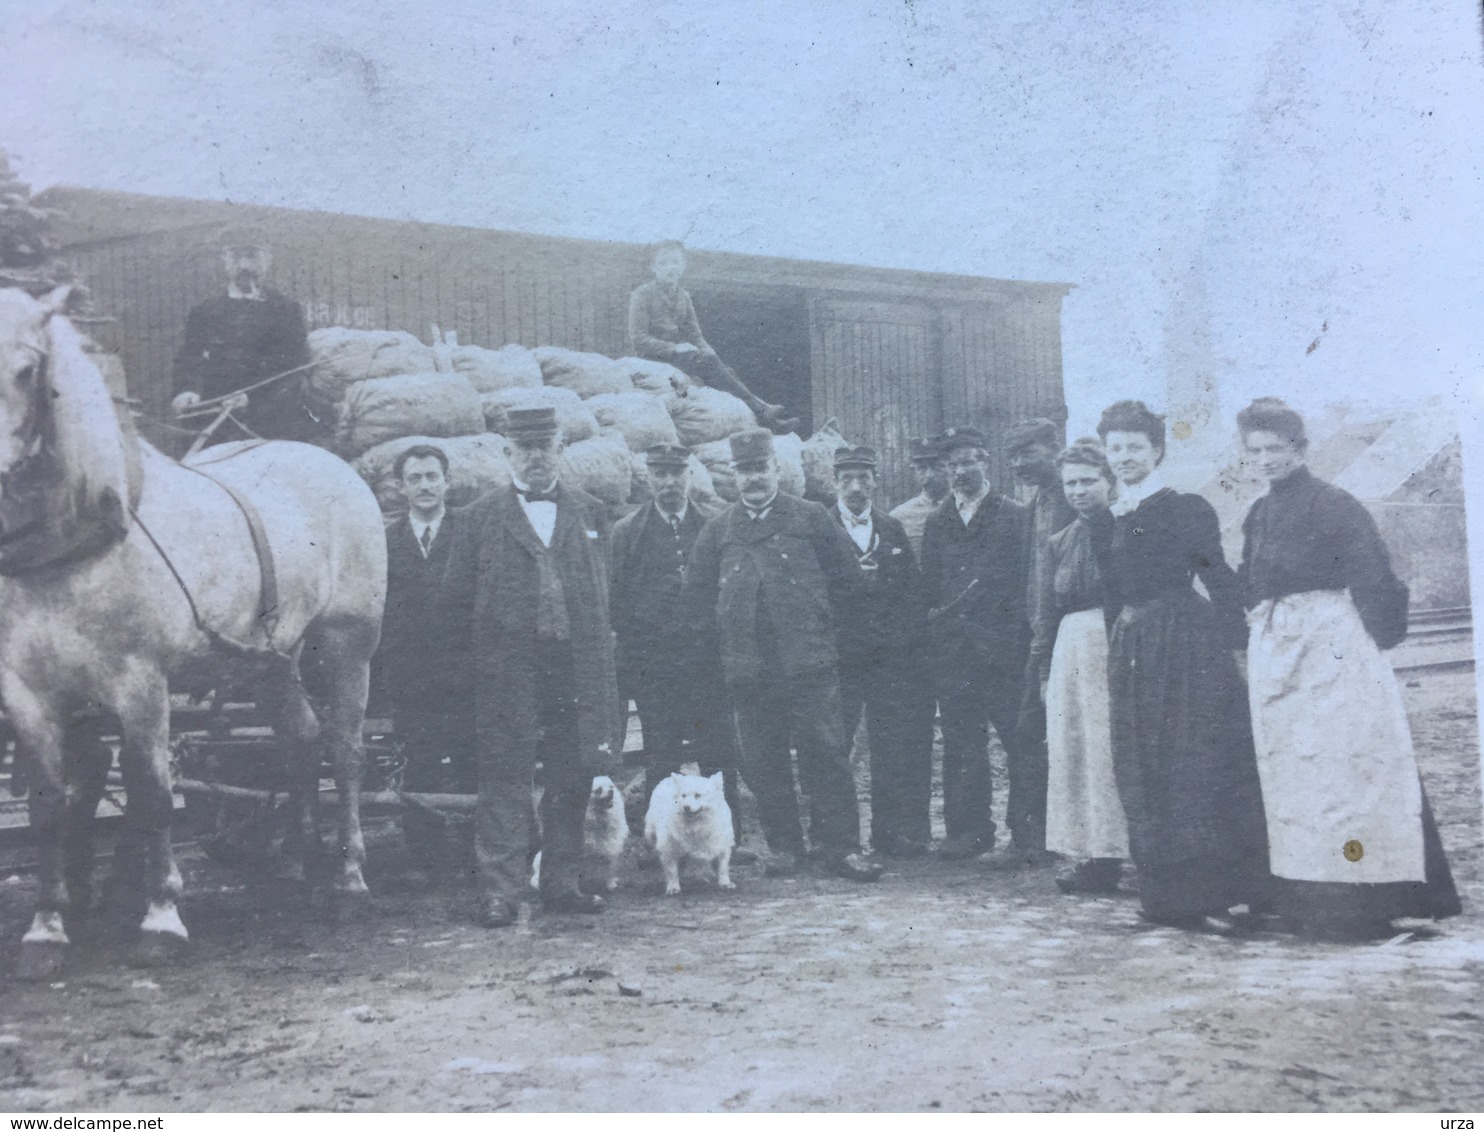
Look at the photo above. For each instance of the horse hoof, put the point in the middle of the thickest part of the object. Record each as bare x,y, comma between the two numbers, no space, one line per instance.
40,961
157,949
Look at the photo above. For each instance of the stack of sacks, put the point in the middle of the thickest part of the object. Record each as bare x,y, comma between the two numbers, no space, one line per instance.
490,371
659,378
587,375
640,418
702,490
703,415
343,357
717,458
600,466
476,465
573,417
416,404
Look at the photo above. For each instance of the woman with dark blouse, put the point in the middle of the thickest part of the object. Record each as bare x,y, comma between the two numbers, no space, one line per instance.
1182,742
1069,649
1352,838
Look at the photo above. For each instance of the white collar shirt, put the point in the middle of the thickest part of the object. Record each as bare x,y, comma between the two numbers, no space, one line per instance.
968,506
860,528
430,526
1131,495
676,519
540,514
761,512
235,292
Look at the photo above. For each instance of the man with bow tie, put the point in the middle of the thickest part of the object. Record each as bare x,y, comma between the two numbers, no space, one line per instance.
420,680
880,639
768,581
975,563
675,684
527,580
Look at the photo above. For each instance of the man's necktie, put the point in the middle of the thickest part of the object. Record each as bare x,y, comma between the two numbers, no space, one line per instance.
534,496
426,540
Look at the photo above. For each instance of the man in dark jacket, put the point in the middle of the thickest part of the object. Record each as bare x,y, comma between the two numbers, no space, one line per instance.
528,579
241,337
880,638
418,677
974,564
675,685
767,580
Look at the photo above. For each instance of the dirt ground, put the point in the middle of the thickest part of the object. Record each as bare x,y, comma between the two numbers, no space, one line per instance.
943,987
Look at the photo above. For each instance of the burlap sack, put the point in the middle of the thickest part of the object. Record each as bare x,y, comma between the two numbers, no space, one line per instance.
705,415
819,460
476,465
659,378
492,370
640,417
418,404
572,416
601,466
587,375
343,357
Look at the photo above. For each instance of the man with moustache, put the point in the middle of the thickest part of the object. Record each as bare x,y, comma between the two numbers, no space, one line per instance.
674,680
975,558
880,631
932,484
1032,446
527,580
769,579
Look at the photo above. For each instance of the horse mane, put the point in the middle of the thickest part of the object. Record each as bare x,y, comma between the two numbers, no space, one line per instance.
69,497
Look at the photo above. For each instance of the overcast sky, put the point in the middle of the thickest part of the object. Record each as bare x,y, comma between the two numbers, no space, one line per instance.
1226,184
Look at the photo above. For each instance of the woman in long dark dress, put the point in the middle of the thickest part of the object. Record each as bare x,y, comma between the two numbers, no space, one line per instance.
1182,741
1352,838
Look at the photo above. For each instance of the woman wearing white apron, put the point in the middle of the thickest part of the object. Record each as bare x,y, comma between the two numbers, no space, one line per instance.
1351,837
1084,817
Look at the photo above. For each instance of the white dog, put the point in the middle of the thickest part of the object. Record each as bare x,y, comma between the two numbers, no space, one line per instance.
688,816
605,830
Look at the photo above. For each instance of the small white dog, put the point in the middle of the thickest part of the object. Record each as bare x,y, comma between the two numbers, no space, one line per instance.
688,816
605,830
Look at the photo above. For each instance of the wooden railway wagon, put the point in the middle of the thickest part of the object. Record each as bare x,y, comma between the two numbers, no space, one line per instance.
890,354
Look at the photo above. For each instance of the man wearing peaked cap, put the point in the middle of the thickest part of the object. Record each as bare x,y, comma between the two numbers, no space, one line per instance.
880,633
975,564
768,580
932,484
675,685
527,582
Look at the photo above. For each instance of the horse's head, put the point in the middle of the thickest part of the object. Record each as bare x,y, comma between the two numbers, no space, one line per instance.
63,472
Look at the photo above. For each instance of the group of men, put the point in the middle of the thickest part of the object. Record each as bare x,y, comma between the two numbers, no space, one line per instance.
753,639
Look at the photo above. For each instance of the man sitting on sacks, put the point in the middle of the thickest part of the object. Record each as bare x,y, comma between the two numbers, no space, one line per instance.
768,581
527,584
236,339
663,326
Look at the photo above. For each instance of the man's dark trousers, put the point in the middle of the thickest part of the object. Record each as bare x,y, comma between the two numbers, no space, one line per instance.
899,730
503,818
972,696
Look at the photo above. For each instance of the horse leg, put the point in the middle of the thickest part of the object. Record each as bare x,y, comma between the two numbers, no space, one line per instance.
296,730
145,761
345,652
86,760
39,733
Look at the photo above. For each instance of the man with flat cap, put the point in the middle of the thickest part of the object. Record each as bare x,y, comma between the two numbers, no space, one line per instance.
527,578
675,683
769,578
238,338
932,484
880,639
1032,446
975,557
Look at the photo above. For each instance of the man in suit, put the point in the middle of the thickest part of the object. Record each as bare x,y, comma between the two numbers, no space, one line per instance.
663,326
674,684
768,579
240,337
975,556
1032,446
527,580
418,676
880,636
932,482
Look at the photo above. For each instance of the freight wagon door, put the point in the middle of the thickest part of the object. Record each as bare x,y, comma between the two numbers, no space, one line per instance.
876,370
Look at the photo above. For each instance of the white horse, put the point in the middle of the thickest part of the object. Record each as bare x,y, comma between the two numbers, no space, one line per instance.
119,567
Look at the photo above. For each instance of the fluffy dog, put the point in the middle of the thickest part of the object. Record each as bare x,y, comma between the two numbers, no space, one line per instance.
688,816
605,829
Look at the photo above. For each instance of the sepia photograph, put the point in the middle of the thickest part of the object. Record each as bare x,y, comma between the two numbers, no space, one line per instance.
833,557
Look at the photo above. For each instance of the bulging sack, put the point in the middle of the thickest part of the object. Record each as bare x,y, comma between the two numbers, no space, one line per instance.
420,404
489,371
660,378
343,357
572,416
476,465
705,415
601,466
819,460
587,375
640,417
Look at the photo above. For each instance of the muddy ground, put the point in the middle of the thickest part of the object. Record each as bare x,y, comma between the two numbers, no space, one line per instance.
944,986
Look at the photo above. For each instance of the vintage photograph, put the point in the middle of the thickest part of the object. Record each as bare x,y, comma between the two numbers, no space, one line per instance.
842,557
